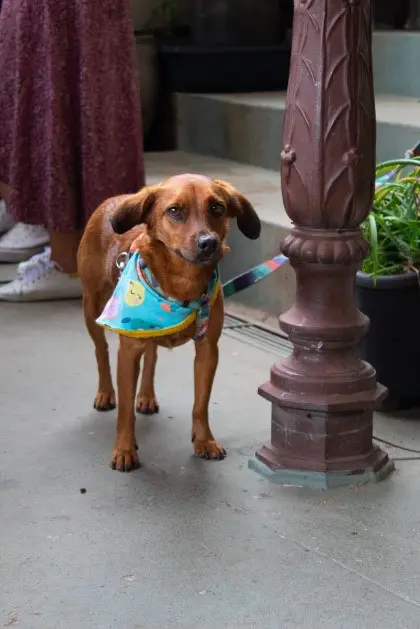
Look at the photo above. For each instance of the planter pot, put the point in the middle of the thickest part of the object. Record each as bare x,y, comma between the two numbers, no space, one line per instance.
147,62
228,69
392,344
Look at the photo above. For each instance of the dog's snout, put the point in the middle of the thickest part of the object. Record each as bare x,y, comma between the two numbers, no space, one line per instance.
207,244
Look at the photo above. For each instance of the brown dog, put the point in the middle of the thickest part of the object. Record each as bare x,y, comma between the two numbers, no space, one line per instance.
180,228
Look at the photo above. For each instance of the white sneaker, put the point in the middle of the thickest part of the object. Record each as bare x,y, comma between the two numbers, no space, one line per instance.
6,222
22,242
41,280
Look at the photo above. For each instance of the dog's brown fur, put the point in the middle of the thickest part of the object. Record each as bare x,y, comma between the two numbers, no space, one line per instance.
164,223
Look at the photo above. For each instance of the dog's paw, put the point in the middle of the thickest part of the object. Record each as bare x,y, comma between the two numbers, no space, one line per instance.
125,460
147,404
104,401
209,449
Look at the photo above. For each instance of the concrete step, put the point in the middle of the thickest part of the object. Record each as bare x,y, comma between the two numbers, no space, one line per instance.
247,128
264,301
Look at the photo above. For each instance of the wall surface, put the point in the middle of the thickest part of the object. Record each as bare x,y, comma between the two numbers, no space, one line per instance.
396,60
142,8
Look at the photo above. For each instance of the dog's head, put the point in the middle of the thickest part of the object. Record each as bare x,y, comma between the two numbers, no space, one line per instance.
190,215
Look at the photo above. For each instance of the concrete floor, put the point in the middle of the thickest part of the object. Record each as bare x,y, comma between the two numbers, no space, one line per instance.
184,543
181,543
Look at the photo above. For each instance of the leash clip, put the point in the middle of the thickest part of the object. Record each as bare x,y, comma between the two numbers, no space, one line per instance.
121,261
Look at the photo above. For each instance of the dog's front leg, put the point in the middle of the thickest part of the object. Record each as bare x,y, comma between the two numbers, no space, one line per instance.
205,365
124,457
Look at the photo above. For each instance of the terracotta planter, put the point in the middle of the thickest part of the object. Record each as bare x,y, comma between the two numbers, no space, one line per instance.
147,62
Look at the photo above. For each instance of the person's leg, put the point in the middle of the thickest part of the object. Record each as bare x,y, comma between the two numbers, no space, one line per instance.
4,191
6,222
64,250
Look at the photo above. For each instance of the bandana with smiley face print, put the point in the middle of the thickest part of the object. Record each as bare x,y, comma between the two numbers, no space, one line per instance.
137,307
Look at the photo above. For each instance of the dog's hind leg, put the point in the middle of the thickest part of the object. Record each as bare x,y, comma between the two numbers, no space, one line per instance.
105,396
147,403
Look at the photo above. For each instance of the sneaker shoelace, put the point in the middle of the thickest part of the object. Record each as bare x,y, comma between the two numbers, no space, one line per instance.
34,270
42,258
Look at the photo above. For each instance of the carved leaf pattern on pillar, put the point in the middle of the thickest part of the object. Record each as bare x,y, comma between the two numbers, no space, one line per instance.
322,394
331,74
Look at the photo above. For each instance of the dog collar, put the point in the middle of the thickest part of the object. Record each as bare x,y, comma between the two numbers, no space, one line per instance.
138,308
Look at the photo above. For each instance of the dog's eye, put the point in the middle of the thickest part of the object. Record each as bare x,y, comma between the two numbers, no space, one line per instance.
175,212
217,209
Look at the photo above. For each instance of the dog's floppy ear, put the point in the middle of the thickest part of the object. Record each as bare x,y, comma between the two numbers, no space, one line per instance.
240,208
132,209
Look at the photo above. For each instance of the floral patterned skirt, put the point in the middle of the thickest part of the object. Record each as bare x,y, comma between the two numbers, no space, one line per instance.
70,125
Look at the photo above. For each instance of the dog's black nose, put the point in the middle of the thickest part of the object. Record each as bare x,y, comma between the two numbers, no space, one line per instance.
207,244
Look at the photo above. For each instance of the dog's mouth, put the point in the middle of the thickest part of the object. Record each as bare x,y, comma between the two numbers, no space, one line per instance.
199,259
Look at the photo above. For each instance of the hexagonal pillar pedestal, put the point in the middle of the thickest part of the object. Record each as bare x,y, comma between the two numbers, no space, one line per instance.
323,395
320,450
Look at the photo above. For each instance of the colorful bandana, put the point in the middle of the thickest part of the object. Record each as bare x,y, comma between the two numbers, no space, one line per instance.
138,309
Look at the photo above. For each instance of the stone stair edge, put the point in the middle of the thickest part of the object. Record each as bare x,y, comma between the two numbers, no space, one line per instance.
390,108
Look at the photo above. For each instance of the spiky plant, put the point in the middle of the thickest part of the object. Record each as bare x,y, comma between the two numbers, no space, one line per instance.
393,226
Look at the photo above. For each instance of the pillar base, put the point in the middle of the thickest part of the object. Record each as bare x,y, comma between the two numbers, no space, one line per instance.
375,469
